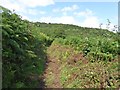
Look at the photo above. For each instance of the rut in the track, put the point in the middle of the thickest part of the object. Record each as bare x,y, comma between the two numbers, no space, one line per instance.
52,67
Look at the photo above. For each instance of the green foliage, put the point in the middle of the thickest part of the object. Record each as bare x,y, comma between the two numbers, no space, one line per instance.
101,47
20,57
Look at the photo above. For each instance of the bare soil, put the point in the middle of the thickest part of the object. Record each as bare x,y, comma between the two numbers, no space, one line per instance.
53,67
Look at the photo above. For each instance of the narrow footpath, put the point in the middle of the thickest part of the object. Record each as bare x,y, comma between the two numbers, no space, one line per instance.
52,71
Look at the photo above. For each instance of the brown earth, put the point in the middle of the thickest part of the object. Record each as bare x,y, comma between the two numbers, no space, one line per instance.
53,67
77,57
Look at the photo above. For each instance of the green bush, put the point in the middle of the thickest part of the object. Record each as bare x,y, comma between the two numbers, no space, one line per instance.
19,54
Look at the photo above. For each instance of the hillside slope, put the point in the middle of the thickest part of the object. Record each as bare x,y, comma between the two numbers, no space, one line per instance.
39,55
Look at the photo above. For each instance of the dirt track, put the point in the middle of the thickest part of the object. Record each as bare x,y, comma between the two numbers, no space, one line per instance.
52,66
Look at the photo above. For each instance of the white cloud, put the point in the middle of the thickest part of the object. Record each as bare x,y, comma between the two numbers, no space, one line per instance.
18,4
72,8
35,3
85,13
25,17
64,10
22,6
63,19
34,12
11,5
56,10
88,22
91,21
42,12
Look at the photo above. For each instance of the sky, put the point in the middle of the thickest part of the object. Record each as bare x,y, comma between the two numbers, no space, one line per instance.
86,14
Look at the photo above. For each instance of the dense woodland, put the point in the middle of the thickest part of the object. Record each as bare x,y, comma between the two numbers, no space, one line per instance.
87,57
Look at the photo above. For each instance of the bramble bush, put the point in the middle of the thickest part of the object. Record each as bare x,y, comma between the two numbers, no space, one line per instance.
22,53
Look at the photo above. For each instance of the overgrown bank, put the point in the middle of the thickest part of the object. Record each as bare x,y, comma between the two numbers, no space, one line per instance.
23,54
